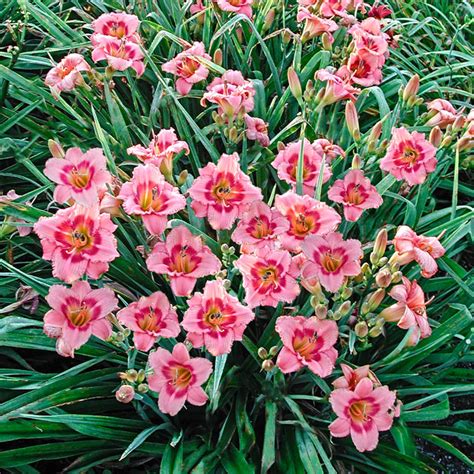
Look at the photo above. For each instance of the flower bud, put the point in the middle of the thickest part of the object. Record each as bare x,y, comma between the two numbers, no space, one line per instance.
356,162
459,123
397,277
141,376
262,353
226,284
374,136
142,388
375,331
321,311
269,19
383,278
217,57
55,149
365,269
285,36
380,245
273,351
294,83
344,309
446,141
268,365
183,176
411,89
374,300
361,329
326,41
233,134
436,135
352,120
125,394
466,143
132,375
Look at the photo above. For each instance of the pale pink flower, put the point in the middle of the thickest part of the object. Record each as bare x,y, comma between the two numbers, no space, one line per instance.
257,129
183,258
409,156
412,247
356,193
148,195
363,68
78,241
66,75
307,342
116,25
150,318
441,113
125,394
197,7
120,55
79,176
332,259
299,269
260,226
306,217
188,68
369,37
331,8
232,93
286,163
337,88
178,378
351,377
77,313
409,311
23,228
215,319
328,149
222,192
266,277
362,413
315,25
242,7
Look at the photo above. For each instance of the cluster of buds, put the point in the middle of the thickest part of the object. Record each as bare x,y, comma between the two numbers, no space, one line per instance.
408,93
267,356
132,382
228,255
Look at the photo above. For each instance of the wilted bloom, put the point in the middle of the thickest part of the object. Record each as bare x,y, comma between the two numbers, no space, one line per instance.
79,312
125,394
306,217
409,156
267,278
116,25
337,87
178,378
78,241
215,319
188,68
149,318
232,93
259,226
441,113
328,149
148,195
379,12
66,75
256,129
356,193
119,55
79,176
409,311
286,162
23,228
314,25
424,250
332,259
307,342
242,7
351,377
362,413
222,192
183,258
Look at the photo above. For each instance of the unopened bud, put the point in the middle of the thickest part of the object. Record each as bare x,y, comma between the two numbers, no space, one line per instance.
344,309
326,41
183,176
374,136
397,277
466,143
125,394
459,123
285,36
294,83
346,293
375,299
380,245
411,89
132,375
141,376
352,120
269,19
226,284
273,351
321,311
361,329
356,162
142,388
383,278
217,57
262,353
375,331
446,141
268,365
436,136
365,269
233,134
55,149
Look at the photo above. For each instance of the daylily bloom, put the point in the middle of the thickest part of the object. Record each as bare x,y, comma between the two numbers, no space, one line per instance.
307,342
119,55
356,193
259,226
306,217
178,378
337,87
257,129
116,25
286,163
197,7
314,25
351,377
267,279
331,8
151,197
242,7
215,319
409,311
79,176
77,313
184,258
328,149
362,413
368,36
78,241
441,113
332,259
409,156
363,68
379,12
66,75
150,318
222,192
188,68
424,250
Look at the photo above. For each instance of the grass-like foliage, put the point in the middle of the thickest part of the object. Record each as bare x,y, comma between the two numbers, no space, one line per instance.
303,236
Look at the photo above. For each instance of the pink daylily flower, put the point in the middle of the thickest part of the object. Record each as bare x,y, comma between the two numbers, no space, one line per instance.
116,25
120,55
222,192
267,278
188,68
331,8
409,157
412,247
197,7
66,75
356,193
242,7
257,129
79,176
286,163
351,377
148,195
441,113
215,319
78,241
178,378
260,226
368,36
307,342
315,25
77,313
184,258
363,68
409,311
362,413
150,318
332,259
328,149
337,87
306,217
